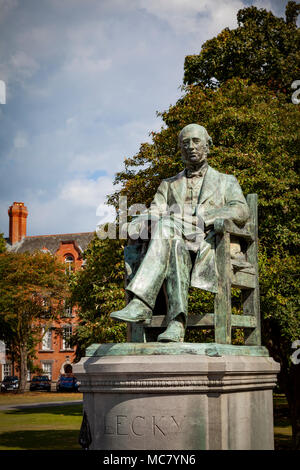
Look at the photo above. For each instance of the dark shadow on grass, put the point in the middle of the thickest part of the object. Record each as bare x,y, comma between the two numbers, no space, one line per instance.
68,410
282,423
41,440
283,442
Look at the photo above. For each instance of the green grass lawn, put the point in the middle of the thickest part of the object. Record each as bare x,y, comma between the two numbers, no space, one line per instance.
46,428
57,427
282,424
13,398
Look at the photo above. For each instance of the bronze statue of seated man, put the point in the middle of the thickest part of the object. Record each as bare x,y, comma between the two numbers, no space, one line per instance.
181,251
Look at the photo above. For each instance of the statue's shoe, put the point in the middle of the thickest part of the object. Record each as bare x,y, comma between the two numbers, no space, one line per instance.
174,332
135,311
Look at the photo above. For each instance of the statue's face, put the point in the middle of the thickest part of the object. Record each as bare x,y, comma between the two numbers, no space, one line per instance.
193,146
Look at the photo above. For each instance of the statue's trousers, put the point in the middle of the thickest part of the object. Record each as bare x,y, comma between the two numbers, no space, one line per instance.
167,259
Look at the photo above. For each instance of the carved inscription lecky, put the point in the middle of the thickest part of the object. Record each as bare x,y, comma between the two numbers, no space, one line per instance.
138,426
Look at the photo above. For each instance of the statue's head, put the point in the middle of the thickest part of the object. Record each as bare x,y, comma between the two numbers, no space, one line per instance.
195,143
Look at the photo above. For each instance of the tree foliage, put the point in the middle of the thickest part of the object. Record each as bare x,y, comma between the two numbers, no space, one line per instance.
2,243
264,49
98,289
32,290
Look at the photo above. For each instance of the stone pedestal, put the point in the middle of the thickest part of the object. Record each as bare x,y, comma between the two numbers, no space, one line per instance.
178,402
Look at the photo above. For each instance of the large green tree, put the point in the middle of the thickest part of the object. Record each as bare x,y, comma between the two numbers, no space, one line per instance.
97,290
32,291
264,49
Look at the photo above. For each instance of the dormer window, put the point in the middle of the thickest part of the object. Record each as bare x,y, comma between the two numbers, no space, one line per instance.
69,260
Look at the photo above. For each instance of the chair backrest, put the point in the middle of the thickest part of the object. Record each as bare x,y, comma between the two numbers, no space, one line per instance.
244,277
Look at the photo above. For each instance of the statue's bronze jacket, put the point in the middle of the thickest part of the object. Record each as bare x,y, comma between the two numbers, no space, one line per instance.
220,196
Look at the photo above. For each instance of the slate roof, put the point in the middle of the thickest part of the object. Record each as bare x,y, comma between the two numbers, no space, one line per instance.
51,242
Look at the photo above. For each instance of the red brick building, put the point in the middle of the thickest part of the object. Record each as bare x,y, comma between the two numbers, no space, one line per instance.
54,354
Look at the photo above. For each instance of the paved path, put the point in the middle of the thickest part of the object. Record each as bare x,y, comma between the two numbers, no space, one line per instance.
38,405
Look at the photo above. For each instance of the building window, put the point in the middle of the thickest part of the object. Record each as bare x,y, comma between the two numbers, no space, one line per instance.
67,333
47,340
47,307
6,370
69,260
47,369
67,310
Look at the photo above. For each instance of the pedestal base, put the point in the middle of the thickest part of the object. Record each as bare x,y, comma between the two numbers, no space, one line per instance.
178,402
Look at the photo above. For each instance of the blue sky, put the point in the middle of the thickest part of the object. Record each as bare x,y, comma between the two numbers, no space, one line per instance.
84,79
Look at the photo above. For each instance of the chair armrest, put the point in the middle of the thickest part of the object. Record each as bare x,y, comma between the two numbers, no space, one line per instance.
226,225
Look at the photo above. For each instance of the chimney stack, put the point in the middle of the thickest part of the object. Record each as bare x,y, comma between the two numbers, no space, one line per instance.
17,222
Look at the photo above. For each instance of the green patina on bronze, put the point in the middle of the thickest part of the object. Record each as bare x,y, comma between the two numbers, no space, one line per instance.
198,247
152,349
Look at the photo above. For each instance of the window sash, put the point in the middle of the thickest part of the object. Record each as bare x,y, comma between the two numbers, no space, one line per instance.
47,340
47,369
67,333
69,262
6,370
68,310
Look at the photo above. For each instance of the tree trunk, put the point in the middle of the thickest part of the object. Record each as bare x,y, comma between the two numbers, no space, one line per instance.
23,368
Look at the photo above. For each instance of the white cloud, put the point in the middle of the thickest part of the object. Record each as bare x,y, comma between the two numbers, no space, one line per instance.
267,4
2,92
85,192
23,62
20,67
187,16
20,140
86,65
6,8
78,206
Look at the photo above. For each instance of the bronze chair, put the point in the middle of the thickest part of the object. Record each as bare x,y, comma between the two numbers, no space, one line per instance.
237,265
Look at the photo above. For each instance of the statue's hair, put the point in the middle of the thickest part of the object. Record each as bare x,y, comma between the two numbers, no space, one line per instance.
208,139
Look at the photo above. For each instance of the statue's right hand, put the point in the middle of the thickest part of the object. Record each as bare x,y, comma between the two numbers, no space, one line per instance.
136,228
